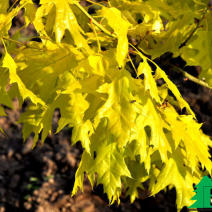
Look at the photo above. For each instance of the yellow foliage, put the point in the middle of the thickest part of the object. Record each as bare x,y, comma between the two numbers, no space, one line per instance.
130,128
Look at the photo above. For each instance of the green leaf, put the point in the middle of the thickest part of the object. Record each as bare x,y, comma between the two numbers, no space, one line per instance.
4,96
9,63
139,175
108,163
198,51
64,18
174,173
4,5
2,113
72,107
149,117
120,27
149,81
118,108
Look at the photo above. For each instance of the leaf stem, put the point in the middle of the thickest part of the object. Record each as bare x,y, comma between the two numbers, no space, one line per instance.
132,64
12,5
92,2
94,21
97,39
190,77
15,41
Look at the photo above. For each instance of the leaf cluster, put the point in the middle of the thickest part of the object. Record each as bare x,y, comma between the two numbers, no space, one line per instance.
131,128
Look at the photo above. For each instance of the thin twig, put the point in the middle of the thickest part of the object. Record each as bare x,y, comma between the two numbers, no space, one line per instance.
14,41
194,30
20,43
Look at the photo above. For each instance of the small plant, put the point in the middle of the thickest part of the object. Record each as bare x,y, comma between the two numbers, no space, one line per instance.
99,70
33,184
